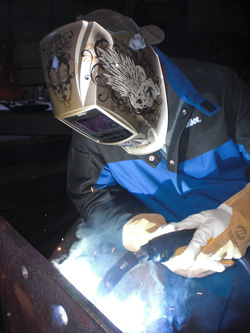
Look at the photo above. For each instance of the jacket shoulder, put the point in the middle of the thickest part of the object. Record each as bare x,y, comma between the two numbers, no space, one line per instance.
199,71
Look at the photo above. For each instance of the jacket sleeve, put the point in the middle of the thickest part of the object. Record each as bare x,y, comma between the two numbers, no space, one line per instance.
107,208
237,97
238,114
233,94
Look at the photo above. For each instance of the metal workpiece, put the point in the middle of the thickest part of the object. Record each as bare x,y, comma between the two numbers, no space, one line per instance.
35,297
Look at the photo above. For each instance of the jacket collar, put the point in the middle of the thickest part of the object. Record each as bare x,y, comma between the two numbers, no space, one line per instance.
183,87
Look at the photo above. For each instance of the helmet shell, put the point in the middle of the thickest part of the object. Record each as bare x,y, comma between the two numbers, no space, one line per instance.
86,67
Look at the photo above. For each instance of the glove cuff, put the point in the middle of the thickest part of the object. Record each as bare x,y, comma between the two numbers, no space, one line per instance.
226,208
240,202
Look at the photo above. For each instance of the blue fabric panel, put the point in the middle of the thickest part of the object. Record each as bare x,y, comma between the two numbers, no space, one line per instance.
244,153
105,179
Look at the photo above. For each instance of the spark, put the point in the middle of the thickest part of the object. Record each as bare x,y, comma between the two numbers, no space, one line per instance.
199,293
59,248
171,309
112,251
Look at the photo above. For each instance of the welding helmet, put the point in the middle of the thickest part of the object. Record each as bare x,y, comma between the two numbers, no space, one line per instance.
107,86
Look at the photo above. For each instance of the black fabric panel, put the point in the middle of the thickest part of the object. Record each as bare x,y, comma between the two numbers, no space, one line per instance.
206,135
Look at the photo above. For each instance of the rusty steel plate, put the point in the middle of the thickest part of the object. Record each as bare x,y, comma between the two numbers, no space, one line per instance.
35,297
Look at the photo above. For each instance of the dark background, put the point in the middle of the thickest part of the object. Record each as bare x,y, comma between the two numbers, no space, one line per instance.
34,146
210,30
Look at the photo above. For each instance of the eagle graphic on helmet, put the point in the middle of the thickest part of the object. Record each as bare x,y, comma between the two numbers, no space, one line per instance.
128,79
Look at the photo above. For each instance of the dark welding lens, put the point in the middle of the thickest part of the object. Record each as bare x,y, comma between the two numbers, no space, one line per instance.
100,127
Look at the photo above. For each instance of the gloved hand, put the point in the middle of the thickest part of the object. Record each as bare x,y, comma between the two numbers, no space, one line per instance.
223,233
138,231
192,262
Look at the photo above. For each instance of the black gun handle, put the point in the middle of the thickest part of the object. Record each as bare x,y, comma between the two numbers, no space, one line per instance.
163,247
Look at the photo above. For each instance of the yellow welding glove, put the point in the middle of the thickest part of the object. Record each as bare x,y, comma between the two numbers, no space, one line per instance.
138,231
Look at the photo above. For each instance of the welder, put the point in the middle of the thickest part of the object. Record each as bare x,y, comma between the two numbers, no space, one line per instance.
159,145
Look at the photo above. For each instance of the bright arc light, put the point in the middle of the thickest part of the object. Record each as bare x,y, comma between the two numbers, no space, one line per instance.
128,315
